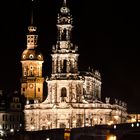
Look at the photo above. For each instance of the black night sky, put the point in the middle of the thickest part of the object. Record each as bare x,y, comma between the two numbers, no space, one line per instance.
106,32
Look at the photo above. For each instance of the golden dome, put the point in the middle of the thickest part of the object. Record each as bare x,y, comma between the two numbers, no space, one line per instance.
31,54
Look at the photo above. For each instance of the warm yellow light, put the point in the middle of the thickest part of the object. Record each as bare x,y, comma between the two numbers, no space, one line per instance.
32,127
49,123
11,130
111,137
74,121
95,119
133,120
110,122
116,117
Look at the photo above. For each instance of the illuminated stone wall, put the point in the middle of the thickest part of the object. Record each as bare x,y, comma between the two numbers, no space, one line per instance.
31,59
74,98
48,116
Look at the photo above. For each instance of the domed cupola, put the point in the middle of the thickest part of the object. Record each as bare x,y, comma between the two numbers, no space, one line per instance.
32,60
32,54
64,9
64,17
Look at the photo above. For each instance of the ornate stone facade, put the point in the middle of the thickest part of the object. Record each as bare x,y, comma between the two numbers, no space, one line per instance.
74,98
32,80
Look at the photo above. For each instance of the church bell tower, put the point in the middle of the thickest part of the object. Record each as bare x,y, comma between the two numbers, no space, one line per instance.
64,57
32,59
64,86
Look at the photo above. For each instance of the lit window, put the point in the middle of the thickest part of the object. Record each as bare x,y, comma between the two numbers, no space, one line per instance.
132,125
63,94
11,130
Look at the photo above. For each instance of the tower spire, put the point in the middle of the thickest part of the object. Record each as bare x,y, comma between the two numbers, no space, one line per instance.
32,17
32,37
64,3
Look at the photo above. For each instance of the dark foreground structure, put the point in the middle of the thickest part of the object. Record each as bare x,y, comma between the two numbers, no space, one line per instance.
53,134
128,131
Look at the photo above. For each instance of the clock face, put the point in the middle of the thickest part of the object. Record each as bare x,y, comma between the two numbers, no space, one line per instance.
31,56
30,85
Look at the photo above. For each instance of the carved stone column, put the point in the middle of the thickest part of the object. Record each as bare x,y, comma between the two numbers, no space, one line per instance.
68,66
55,65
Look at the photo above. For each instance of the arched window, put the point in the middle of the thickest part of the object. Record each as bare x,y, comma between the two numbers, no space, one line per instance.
64,66
64,35
63,94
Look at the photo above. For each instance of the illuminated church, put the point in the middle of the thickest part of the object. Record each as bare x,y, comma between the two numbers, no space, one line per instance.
74,97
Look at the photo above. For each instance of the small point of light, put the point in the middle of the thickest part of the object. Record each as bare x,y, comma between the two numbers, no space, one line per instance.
115,126
132,125
11,130
138,124
27,102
